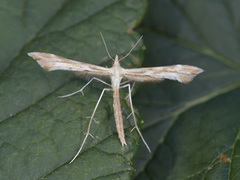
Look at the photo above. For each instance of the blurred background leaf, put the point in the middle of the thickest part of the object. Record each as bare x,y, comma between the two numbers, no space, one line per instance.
193,129
191,126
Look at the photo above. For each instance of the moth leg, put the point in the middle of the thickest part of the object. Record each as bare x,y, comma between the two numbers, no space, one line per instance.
129,115
89,124
122,83
89,117
134,117
127,97
81,90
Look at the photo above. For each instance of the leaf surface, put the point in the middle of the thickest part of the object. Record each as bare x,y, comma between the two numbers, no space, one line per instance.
39,132
193,129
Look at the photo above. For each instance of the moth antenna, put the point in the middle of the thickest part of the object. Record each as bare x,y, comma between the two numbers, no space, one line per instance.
132,48
106,46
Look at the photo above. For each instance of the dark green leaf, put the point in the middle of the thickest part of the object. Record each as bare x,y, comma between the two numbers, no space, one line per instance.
190,128
40,133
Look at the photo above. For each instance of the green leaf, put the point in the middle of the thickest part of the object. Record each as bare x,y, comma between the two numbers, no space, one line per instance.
39,132
193,129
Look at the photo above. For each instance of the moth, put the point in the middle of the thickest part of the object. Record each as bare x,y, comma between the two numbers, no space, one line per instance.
181,73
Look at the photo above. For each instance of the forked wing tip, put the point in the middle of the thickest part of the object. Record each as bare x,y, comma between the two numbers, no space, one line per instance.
34,55
38,56
30,54
200,71
194,74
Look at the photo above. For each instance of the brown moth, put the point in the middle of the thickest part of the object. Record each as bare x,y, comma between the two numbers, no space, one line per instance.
181,73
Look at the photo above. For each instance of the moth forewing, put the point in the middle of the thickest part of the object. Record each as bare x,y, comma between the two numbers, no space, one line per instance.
181,73
52,62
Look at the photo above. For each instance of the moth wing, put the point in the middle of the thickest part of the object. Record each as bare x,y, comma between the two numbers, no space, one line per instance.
52,62
181,73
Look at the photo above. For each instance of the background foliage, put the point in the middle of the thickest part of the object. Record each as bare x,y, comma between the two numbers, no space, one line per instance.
193,129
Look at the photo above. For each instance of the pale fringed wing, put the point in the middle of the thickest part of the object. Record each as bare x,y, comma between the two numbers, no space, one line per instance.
51,62
181,73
